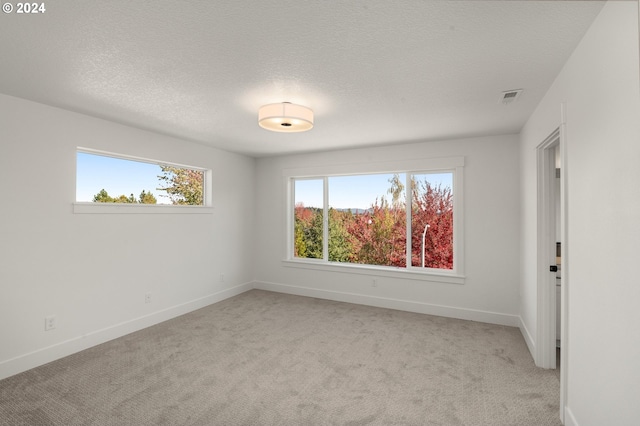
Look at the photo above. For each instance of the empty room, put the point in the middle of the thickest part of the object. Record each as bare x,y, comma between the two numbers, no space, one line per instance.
320,213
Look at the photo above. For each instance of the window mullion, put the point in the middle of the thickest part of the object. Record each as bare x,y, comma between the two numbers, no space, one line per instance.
407,207
325,220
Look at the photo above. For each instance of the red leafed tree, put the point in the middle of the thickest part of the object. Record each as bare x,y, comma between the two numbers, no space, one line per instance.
377,236
433,206
303,214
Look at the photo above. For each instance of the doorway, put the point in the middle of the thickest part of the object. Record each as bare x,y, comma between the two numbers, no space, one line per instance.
552,260
549,240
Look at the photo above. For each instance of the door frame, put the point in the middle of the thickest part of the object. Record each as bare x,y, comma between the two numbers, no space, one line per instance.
546,253
545,356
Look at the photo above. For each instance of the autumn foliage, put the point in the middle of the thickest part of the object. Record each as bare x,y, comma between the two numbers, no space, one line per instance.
183,186
378,235
432,206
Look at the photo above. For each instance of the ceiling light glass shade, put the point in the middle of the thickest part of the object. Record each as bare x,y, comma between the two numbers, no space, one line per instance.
285,117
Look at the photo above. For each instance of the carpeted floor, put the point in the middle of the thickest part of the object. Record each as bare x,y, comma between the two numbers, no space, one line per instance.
265,358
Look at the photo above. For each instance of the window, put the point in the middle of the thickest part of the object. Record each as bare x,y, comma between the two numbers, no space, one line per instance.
108,179
403,220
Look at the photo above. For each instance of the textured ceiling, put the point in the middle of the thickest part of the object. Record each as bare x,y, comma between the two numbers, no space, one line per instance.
374,72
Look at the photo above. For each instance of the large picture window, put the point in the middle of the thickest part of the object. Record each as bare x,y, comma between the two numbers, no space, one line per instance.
405,219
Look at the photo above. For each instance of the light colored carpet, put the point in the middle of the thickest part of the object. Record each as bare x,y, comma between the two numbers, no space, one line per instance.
265,358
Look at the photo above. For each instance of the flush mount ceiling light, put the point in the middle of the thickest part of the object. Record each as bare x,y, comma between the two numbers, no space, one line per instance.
285,117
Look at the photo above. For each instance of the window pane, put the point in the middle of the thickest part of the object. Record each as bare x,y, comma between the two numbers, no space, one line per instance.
105,179
432,220
367,219
308,224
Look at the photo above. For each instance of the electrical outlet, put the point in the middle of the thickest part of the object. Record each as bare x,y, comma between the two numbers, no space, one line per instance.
49,323
147,298
221,278
374,283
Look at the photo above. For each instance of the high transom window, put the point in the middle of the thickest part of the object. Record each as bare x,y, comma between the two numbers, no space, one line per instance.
114,183
114,179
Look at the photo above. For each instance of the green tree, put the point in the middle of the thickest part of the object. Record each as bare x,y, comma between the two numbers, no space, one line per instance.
147,198
308,232
340,241
183,186
302,221
103,197
125,200
313,235
299,244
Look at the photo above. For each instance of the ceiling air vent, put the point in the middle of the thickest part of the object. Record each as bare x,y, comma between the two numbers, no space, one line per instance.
510,96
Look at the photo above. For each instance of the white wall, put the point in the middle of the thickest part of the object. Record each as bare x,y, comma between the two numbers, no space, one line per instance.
92,270
600,86
491,227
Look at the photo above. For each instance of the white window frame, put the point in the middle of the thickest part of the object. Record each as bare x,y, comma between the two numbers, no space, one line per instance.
125,208
453,165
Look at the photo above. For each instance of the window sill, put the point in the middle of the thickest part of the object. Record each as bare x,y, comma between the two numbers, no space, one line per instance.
122,208
378,271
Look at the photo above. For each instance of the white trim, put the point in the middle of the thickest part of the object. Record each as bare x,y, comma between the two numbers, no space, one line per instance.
408,219
566,279
569,419
76,344
528,338
325,220
126,208
402,305
119,156
458,220
380,271
413,165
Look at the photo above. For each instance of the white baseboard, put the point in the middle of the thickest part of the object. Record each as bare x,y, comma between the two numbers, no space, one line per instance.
401,305
59,350
569,419
529,340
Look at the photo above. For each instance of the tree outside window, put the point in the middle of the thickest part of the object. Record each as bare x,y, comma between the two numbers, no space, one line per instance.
376,234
